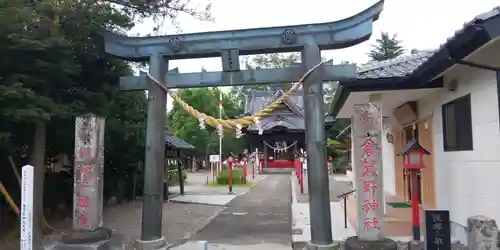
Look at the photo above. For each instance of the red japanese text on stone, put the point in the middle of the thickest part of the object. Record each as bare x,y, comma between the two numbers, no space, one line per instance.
84,171
371,223
82,218
370,205
83,201
368,168
370,186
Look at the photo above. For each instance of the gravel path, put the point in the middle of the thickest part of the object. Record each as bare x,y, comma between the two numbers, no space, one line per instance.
180,221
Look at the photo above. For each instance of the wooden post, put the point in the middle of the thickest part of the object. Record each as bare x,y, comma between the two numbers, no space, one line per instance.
230,165
245,174
181,178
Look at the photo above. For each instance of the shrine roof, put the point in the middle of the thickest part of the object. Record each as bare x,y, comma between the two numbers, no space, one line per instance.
175,141
421,69
258,99
293,120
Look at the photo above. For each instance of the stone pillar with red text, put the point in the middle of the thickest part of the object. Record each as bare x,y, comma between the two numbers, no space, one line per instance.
88,231
88,179
367,165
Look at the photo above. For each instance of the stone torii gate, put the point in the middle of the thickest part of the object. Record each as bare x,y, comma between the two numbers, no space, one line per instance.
309,39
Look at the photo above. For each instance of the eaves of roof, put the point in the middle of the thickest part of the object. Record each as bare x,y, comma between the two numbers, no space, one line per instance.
177,142
421,69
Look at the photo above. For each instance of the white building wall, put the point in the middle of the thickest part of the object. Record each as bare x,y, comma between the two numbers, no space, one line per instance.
388,161
466,180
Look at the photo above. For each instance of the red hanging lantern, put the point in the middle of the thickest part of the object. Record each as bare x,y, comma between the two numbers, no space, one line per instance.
413,155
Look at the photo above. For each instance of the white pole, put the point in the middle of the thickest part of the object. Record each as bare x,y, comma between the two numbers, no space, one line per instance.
257,160
27,213
220,136
203,245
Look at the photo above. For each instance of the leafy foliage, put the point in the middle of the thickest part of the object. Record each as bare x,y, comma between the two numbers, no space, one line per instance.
54,68
386,47
205,100
265,61
237,177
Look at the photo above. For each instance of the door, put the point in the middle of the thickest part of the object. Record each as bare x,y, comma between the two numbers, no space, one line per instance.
427,177
410,133
428,181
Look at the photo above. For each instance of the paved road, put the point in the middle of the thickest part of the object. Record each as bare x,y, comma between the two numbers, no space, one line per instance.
260,216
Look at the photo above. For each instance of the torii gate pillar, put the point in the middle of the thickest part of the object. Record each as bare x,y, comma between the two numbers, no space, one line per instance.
154,172
317,172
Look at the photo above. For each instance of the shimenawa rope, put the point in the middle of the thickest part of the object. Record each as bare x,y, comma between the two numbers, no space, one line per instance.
243,121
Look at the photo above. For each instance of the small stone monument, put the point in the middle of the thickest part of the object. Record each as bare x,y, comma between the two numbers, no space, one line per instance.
88,232
482,233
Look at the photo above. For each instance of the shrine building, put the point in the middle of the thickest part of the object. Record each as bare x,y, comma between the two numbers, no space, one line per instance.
280,136
448,99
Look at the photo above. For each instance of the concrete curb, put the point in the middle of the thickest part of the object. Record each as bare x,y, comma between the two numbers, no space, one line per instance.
294,194
186,239
198,203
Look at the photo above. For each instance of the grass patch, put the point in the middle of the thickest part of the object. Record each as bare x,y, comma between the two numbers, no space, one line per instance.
237,176
399,204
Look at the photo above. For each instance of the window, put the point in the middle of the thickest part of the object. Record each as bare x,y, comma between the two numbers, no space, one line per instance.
457,125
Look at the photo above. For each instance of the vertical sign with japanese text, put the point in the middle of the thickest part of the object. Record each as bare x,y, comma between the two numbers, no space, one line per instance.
27,190
88,172
437,230
367,162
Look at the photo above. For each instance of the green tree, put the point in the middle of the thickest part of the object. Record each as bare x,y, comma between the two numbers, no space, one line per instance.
54,68
57,70
386,47
264,61
206,100
161,10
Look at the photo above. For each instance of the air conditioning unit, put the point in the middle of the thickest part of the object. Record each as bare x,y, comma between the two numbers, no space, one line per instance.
406,113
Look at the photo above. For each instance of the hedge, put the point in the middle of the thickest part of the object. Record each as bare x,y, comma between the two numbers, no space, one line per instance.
173,177
223,177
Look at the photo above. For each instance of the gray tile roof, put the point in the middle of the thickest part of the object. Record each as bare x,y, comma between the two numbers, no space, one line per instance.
478,20
407,64
177,142
259,99
290,121
290,115
396,67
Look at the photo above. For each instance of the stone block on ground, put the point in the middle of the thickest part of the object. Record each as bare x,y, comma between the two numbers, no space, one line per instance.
416,245
354,243
482,233
116,242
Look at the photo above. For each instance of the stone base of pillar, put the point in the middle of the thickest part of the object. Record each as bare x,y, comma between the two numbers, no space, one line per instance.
333,246
416,245
159,244
354,243
113,242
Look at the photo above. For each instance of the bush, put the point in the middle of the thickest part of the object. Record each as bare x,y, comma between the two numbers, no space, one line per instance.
173,177
223,177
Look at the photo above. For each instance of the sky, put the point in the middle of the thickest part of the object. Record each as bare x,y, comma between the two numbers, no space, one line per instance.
422,24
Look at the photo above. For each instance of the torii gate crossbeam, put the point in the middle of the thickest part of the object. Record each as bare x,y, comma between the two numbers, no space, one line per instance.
309,39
